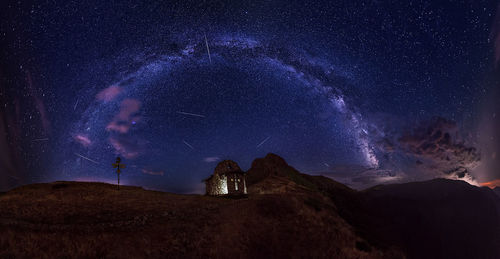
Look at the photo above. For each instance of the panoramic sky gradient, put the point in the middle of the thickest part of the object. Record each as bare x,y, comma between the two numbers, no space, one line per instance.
363,92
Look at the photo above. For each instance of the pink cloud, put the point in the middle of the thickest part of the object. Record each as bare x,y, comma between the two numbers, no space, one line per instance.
211,159
127,108
151,172
108,94
83,140
125,148
123,120
118,127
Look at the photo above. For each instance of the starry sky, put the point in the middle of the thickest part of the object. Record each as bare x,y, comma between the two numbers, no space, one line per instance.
365,92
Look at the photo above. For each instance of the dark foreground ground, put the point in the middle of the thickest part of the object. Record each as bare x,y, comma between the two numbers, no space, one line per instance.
286,214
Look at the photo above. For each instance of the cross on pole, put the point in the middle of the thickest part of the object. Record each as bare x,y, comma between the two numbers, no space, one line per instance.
118,166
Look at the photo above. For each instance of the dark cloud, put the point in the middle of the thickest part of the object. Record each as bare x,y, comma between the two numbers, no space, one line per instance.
489,127
15,120
10,164
436,143
495,35
39,104
428,149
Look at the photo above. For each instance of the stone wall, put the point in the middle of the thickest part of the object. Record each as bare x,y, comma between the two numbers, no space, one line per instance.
217,185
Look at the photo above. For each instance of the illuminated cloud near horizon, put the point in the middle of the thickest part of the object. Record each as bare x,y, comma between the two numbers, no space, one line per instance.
430,149
492,184
434,145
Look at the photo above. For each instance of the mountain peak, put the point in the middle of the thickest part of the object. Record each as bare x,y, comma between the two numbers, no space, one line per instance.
270,165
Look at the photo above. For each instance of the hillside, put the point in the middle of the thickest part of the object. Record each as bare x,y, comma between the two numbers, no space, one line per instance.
96,220
497,191
286,214
436,219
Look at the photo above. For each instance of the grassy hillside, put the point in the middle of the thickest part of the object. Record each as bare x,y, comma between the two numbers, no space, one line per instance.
286,214
67,219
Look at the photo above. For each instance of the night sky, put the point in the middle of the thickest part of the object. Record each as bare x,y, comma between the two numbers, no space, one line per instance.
363,92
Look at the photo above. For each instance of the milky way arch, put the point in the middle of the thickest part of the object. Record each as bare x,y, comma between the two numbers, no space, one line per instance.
315,73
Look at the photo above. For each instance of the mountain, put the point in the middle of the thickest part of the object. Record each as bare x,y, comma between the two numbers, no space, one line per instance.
286,214
439,218
497,191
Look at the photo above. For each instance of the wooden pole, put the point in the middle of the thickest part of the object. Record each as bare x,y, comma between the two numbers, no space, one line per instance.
118,166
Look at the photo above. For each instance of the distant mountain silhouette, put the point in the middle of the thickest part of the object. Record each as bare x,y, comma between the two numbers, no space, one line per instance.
286,214
436,219
497,191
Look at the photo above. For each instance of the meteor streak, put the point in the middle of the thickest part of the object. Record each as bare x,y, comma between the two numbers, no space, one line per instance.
208,50
86,158
191,114
264,141
40,139
187,144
